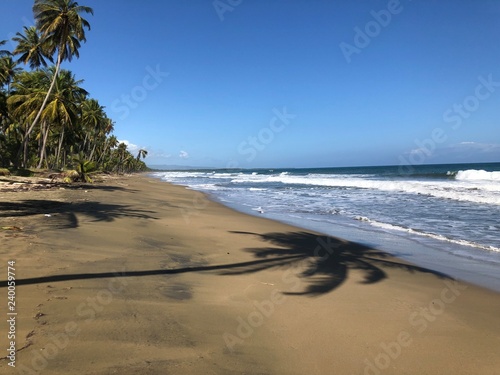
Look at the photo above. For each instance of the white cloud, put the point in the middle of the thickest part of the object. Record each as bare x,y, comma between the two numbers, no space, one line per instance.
132,148
183,155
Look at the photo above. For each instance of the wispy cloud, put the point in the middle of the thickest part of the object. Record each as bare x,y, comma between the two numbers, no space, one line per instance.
183,154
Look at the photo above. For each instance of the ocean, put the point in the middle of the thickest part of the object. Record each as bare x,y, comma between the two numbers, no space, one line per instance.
445,217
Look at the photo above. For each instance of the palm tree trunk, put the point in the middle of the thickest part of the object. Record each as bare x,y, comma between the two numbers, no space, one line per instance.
52,84
64,158
92,152
84,147
25,150
100,159
40,143
43,152
59,148
17,159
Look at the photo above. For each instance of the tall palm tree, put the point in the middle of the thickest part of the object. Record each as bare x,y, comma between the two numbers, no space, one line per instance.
62,108
3,126
120,154
110,143
62,28
30,89
31,47
95,125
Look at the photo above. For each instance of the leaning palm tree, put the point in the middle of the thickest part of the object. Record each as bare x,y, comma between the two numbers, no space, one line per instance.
142,154
95,126
31,46
29,90
62,28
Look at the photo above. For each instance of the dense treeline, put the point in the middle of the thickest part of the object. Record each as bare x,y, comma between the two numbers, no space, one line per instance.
47,119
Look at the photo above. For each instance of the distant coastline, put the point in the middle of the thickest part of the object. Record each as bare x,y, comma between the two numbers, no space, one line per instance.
491,165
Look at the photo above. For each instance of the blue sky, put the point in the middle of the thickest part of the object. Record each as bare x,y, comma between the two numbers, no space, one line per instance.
295,83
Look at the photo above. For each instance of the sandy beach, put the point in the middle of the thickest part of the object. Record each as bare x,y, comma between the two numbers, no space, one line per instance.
137,276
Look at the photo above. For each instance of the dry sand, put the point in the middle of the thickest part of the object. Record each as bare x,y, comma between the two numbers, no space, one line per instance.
136,276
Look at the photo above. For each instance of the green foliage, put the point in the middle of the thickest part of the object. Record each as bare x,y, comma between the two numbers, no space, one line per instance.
47,119
84,167
31,48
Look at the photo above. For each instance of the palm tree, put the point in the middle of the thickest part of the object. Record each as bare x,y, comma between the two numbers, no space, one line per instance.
3,108
84,167
142,154
3,52
3,128
61,110
128,163
110,143
31,47
8,69
62,29
92,123
29,89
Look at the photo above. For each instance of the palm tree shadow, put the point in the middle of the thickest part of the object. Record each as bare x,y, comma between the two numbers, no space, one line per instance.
323,261
62,215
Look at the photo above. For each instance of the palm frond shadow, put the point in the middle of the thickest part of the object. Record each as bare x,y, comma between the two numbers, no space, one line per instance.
323,262
63,214
28,184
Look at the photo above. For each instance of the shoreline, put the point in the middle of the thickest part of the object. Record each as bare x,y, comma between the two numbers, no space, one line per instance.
482,270
160,275
415,250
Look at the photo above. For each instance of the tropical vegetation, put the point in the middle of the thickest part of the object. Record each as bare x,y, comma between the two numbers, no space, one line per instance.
47,119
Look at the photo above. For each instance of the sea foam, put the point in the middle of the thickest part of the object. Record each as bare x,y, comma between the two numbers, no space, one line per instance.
477,175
